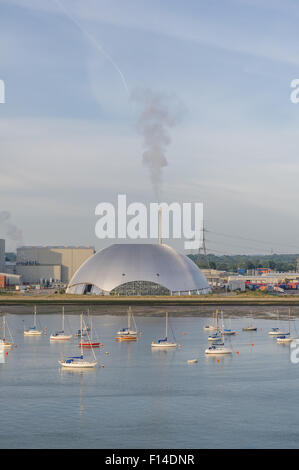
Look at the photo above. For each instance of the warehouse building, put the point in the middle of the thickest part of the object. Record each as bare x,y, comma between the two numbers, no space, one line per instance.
50,263
2,255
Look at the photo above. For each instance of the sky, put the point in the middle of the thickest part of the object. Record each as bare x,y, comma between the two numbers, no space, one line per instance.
68,129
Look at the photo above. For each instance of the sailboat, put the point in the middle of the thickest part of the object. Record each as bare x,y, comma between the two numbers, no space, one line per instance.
60,335
217,336
33,331
164,343
6,344
85,331
214,326
286,337
126,334
250,327
78,362
227,331
217,350
277,331
91,343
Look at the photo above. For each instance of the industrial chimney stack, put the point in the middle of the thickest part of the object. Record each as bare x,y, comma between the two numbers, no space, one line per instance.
160,226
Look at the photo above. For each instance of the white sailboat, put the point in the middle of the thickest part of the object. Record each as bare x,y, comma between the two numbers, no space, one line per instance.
164,343
126,334
216,336
217,350
214,326
78,362
286,337
6,344
250,327
277,331
33,331
227,331
90,342
61,335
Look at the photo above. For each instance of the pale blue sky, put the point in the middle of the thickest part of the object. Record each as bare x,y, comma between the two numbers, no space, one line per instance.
68,129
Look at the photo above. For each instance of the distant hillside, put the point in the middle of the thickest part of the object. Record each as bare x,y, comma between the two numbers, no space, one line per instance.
280,263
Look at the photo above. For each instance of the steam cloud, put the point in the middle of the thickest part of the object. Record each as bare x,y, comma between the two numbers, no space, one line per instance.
158,113
11,231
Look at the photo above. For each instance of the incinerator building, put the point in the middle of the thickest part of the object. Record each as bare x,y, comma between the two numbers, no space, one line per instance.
138,269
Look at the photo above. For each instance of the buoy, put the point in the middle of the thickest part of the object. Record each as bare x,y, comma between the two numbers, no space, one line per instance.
237,352
252,344
103,366
217,360
6,353
106,353
15,345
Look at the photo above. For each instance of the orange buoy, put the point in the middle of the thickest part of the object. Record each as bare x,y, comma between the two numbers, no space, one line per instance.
103,366
252,344
237,352
6,353
217,361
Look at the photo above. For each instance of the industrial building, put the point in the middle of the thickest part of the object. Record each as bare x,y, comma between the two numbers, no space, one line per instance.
2,255
138,269
38,264
9,280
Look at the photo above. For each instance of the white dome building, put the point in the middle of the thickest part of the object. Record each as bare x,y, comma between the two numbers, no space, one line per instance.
138,269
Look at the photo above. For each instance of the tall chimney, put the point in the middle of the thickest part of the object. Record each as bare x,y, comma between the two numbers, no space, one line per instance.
160,226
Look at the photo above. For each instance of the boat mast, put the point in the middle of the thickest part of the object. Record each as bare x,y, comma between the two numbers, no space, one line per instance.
81,318
35,316
166,334
129,318
4,324
63,318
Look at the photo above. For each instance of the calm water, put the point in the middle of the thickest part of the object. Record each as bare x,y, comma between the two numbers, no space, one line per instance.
145,399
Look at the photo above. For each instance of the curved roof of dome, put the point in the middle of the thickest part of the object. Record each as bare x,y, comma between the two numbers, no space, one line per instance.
122,263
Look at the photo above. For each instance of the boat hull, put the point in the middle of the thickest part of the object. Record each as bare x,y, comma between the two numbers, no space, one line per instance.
32,333
60,338
164,346
277,333
218,352
126,338
78,365
89,345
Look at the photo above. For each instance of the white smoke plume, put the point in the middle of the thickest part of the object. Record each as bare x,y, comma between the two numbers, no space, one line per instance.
158,113
9,230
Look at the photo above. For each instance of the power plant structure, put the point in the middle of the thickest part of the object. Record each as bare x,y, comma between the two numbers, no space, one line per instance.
138,269
45,263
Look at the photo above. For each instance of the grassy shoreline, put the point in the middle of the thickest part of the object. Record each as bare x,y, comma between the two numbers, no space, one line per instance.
215,299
